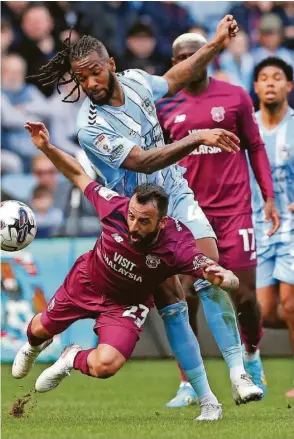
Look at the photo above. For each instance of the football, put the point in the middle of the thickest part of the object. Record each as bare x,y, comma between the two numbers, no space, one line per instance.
18,225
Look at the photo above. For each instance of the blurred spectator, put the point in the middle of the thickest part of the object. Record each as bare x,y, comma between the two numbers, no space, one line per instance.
38,45
208,14
248,14
20,102
141,52
270,40
289,29
169,20
220,75
13,11
79,216
63,119
106,21
64,16
48,218
197,29
7,37
237,63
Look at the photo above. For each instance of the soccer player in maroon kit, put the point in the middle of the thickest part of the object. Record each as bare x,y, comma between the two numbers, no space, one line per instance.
140,248
221,185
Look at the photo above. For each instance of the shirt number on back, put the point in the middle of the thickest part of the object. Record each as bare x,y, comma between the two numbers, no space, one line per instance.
245,233
131,312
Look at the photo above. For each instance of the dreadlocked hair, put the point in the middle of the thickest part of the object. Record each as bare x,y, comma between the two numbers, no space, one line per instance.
60,64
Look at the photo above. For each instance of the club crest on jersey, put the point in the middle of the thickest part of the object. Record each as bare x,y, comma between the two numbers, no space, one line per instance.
152,261
217,113
102,144
147,105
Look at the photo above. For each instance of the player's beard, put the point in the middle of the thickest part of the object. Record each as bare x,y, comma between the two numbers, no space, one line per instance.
144,241
273,106
108,96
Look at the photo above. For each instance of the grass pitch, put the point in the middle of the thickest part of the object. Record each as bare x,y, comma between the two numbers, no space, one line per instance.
131,405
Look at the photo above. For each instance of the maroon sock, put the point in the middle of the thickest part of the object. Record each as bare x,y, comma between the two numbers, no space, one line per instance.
32,339
80,361
249,317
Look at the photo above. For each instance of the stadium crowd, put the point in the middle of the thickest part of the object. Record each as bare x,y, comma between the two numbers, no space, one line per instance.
138,35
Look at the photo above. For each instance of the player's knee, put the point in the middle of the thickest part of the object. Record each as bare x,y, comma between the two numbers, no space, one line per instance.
103,368
288,306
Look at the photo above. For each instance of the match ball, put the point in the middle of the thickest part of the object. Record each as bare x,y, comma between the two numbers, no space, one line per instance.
18,225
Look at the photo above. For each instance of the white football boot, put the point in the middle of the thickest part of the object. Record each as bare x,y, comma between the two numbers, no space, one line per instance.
244,390
25,358
52,377
210,412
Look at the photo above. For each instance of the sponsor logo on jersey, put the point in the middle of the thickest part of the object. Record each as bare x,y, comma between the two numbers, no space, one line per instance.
117,237
103,144
180,118
122,266
51,305
106,193
217,113
152,261
117,153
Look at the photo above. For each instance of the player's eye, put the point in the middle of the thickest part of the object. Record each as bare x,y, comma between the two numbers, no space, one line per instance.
97,73
144,221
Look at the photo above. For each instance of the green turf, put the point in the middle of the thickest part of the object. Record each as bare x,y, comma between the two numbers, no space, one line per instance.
131,406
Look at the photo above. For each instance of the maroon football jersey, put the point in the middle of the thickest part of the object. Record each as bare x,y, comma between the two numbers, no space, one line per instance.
118,270
219,180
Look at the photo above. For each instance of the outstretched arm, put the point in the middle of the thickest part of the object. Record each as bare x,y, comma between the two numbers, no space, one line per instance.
180,75
64,162
218,275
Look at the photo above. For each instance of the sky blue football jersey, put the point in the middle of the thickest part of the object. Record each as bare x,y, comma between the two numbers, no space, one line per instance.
107,134
279,144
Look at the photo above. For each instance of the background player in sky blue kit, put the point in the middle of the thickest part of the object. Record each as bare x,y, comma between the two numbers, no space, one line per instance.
275,269
119,130
225,198
140,249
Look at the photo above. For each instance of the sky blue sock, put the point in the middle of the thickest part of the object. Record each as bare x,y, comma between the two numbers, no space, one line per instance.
186,348
221,319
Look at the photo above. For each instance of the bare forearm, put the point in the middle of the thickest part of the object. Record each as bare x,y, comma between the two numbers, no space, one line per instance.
163,156
180,75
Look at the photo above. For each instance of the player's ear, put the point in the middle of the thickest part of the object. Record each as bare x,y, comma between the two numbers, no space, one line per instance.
255,87
163,222
289,86
112,65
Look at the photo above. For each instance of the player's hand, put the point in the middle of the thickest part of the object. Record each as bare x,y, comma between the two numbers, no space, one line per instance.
271,214
226,29
218,275
223,139
39,134
291,207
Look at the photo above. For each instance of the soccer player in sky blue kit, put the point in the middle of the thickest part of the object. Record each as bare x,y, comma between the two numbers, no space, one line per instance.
275,254
120,133
225,198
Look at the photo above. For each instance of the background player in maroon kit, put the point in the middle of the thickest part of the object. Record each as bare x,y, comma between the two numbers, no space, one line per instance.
139,249
221,183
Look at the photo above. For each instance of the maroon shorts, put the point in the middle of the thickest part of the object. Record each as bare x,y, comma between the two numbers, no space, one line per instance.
236,241
115,324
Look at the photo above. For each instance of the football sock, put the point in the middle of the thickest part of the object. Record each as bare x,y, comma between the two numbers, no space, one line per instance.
186,349
249,317
81,363
221,319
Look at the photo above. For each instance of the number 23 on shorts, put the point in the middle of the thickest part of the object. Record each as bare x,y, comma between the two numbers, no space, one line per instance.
138,313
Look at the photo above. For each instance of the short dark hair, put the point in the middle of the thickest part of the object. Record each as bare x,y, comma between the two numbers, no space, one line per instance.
152,192
40,191
275,62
